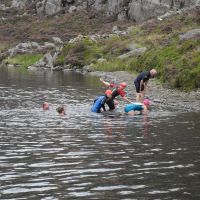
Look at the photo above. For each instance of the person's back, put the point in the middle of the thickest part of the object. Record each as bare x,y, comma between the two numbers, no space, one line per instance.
133,107
141,107
98,103
145,75
141,81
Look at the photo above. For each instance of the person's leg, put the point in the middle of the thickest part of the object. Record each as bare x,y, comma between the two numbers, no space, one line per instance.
137,88
142,94
131,112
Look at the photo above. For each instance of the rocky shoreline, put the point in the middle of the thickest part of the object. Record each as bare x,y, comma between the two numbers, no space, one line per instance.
165,99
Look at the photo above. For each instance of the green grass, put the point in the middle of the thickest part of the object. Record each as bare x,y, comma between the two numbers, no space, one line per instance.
112,65
24,60
81,53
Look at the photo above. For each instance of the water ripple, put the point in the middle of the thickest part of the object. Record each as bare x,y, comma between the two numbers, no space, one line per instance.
85,156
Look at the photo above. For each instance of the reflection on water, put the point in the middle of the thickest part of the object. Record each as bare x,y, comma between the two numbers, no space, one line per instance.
83,155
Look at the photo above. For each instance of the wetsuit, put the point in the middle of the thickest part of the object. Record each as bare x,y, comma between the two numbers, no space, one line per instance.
142,76
116,92
99,103
133,107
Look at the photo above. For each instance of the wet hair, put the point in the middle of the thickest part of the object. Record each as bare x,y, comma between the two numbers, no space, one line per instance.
60,109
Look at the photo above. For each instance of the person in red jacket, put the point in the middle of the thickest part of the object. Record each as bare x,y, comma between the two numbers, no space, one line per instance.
118,90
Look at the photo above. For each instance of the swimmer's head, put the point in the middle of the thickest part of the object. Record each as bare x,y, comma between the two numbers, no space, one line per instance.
61,110
123,84
153,73
45,106
108,93
146,102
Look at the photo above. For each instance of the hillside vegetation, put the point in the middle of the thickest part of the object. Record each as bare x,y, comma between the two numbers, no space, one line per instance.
177,61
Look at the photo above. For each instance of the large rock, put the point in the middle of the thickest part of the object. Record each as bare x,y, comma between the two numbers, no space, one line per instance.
45,62
137,10
3,7
29,48
22,48
134,52
48,7
190,34
52,7
21,4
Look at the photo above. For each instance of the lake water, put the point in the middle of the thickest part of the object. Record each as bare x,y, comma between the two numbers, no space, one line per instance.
85,156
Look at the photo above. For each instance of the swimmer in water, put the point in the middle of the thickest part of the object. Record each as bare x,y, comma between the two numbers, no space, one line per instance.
99,102
61,110
134,108
45,106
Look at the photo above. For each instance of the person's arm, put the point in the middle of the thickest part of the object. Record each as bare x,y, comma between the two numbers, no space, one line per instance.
103,106
132,112
107,84
145,111
126,99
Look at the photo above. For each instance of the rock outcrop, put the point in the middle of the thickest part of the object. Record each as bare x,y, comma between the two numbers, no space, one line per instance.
190,34
134,50
136,10
29,48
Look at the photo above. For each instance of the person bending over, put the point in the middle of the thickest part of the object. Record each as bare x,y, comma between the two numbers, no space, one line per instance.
141,81
99,102
119,90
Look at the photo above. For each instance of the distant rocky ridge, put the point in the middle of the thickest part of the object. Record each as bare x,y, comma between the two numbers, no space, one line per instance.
136,10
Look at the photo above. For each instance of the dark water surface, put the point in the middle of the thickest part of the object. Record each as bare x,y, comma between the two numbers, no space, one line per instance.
90,156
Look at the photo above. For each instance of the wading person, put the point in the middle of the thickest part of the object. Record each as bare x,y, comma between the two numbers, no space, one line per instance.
99,102
141,82
119,90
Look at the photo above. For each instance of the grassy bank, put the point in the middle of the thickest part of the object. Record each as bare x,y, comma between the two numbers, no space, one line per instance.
24,61
178,62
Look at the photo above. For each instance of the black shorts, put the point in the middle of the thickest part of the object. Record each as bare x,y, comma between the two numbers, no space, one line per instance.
137,87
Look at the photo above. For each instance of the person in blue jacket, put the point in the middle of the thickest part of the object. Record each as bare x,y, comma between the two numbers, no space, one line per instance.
134,108
99,102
